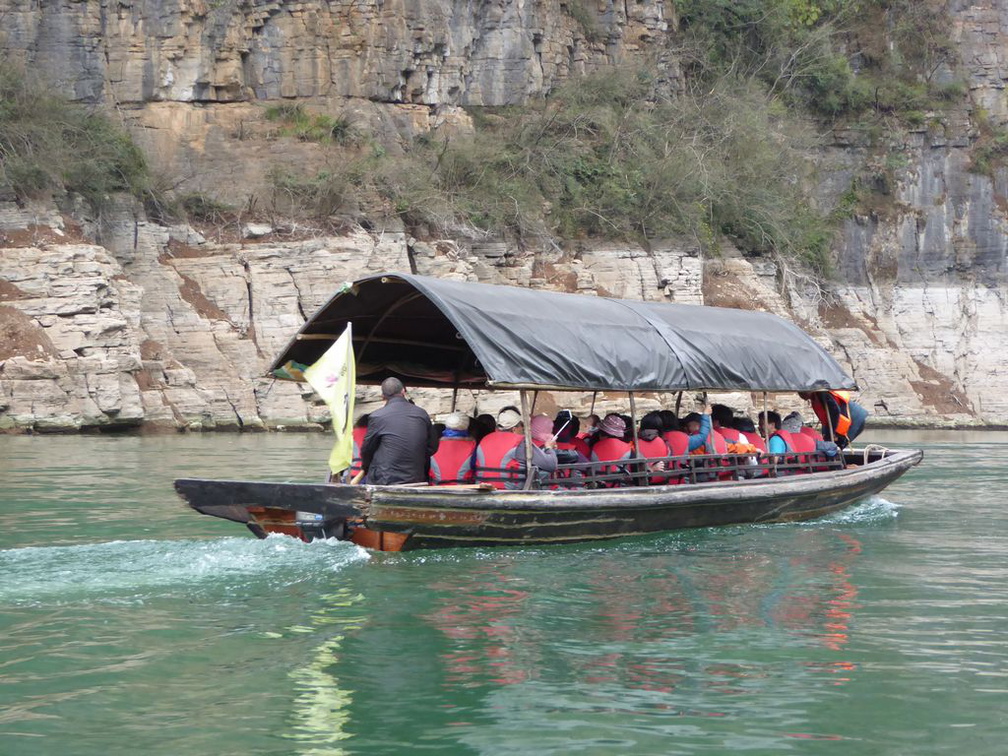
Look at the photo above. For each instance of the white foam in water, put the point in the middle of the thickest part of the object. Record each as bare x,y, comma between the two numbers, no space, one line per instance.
139,568
872,509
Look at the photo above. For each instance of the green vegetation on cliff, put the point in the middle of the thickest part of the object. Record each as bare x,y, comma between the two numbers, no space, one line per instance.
720,151
50,145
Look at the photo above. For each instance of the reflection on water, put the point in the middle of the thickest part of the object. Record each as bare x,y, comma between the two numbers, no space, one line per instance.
320,710
128,623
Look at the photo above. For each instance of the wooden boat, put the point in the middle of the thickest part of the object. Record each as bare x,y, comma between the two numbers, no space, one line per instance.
449,334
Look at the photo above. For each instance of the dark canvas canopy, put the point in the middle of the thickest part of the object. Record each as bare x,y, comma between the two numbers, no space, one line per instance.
436,332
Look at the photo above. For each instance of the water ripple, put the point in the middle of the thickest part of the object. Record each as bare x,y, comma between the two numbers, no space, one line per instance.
136,569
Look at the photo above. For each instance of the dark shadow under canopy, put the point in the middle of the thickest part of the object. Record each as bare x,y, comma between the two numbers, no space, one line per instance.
451,334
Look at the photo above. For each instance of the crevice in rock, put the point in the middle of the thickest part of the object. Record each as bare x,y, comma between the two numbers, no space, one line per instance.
234,408
294,283
411,256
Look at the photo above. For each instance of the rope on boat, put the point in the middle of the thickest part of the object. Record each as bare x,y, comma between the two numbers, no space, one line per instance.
878,447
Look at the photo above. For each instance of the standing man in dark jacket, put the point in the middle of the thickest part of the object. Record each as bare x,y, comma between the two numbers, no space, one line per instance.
400,439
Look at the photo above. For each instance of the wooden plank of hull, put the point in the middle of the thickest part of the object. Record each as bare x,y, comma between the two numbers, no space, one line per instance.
231,499
562,517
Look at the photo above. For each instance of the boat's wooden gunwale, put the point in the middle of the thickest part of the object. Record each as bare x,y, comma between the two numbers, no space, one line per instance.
643,497
437,517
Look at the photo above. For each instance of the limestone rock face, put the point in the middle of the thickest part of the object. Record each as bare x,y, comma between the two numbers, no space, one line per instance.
159,326
430,52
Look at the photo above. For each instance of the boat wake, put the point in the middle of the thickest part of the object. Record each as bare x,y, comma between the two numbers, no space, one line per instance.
136,570
874,509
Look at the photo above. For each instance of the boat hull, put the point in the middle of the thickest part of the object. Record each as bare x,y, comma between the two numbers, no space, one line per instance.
405,517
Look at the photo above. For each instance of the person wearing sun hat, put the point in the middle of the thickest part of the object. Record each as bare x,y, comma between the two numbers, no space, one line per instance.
500,456
454,460
611,448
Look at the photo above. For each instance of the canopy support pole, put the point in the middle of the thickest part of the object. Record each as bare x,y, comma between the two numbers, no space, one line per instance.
527,424
454,399
678,403
633,427
594,394
829,418
766,423
535,398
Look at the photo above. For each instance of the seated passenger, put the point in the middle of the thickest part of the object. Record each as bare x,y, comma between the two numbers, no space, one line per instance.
782,443
452,463
809,438
590,433
544,456
500,456
481,426
721,420
565,428
703,439
359,431
610,447
651,444
678,442
812,433
700,431
746,427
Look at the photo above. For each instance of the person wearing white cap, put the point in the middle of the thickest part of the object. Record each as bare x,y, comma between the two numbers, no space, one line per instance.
500,456
456,454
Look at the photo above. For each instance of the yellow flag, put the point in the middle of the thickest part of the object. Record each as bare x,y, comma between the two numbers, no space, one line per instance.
334,378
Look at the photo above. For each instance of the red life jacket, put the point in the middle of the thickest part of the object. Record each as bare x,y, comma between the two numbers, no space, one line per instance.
786,437
656,447
756,440
678,442
720,447
495,452
798,445
452,463
609,449
812,433
358,442
575,444
730,434
802,442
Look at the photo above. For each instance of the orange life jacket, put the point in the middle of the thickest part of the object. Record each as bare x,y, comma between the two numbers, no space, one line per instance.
717,440
496,452
452,463
843,418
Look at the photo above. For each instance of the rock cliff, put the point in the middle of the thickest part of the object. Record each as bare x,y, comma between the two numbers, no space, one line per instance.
122,322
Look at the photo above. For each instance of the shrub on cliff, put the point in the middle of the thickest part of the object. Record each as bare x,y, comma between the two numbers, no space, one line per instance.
802,50
606,158
50,145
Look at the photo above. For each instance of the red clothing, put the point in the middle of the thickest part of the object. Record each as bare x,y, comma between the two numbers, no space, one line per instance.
453,462
497,452
609,449
812,433
678,442
656,447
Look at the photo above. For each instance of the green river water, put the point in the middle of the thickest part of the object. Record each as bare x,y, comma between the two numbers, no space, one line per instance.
131,625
